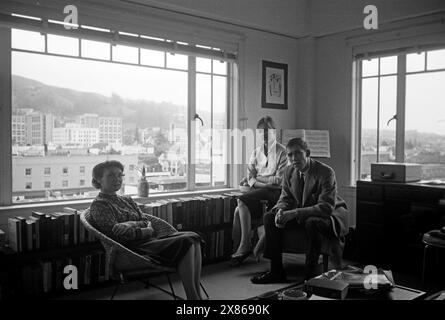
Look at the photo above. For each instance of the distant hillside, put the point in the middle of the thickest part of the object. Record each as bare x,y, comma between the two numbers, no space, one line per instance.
28,93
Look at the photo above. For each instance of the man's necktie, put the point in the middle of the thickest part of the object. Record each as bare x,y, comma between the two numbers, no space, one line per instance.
301,183
266,153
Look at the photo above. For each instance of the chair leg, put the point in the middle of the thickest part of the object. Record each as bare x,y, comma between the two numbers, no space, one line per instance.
203,289
325,262
425,251
115,291
171,287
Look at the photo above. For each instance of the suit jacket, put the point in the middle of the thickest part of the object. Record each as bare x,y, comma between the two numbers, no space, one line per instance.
320,198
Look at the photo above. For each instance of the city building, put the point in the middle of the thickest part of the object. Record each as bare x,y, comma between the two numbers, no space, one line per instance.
88,120
69,175
75,134
18,125
38,128
110,130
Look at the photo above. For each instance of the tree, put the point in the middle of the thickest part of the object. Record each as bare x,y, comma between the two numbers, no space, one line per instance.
409,145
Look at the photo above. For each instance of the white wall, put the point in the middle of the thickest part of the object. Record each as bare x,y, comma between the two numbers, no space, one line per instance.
261,46
280,16
327,16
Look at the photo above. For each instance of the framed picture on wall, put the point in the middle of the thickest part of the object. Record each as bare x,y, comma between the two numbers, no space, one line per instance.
274,86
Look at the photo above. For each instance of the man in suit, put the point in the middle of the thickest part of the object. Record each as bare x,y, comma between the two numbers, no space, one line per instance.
308,200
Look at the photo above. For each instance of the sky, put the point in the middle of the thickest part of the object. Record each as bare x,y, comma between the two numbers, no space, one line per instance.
131,82
105,78
425,94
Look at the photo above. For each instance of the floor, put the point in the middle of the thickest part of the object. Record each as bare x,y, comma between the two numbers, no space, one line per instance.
223,282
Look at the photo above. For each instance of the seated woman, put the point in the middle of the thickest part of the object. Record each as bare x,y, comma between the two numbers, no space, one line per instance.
265,171
121,219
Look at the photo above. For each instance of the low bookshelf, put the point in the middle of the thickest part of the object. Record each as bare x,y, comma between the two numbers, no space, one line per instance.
34,265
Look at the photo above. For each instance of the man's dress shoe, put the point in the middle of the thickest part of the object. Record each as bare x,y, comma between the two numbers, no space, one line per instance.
268,277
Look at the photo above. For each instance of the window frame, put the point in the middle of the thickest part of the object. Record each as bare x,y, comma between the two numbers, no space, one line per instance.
401,75
5,64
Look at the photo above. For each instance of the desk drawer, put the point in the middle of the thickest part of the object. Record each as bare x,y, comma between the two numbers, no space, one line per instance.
370,212
370,192
399,193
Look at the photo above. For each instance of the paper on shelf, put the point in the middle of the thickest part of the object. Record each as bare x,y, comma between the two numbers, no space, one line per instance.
317,140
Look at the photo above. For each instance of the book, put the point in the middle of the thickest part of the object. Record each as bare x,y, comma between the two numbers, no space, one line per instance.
43,229
23,233
14,234
357,279
76,223
31,234
2,238
63,226
177,214
36,234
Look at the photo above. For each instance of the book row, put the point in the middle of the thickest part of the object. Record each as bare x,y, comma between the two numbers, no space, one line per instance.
45,276
42,231
194,212
218,244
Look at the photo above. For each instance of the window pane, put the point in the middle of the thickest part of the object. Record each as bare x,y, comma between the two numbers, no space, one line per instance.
125,54
203,132
70,114
177,61
27,40
436,59
63,45
425,123
152,57
219,67
370,67
203,65
388,65
368,126
388,108
415,62
95,49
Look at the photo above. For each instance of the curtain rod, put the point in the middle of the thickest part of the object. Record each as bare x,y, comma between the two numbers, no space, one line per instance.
44,26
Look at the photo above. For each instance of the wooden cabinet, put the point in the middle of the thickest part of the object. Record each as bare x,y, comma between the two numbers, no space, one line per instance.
391,219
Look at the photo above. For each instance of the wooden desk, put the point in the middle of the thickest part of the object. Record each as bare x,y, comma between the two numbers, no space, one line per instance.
391,221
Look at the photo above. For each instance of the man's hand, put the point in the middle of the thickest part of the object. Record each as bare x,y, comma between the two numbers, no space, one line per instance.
283,217
278,217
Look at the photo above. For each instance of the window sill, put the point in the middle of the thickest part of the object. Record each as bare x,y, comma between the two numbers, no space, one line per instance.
65,203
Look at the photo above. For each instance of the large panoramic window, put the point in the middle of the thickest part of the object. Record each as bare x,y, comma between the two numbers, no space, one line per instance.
402,114
78,102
